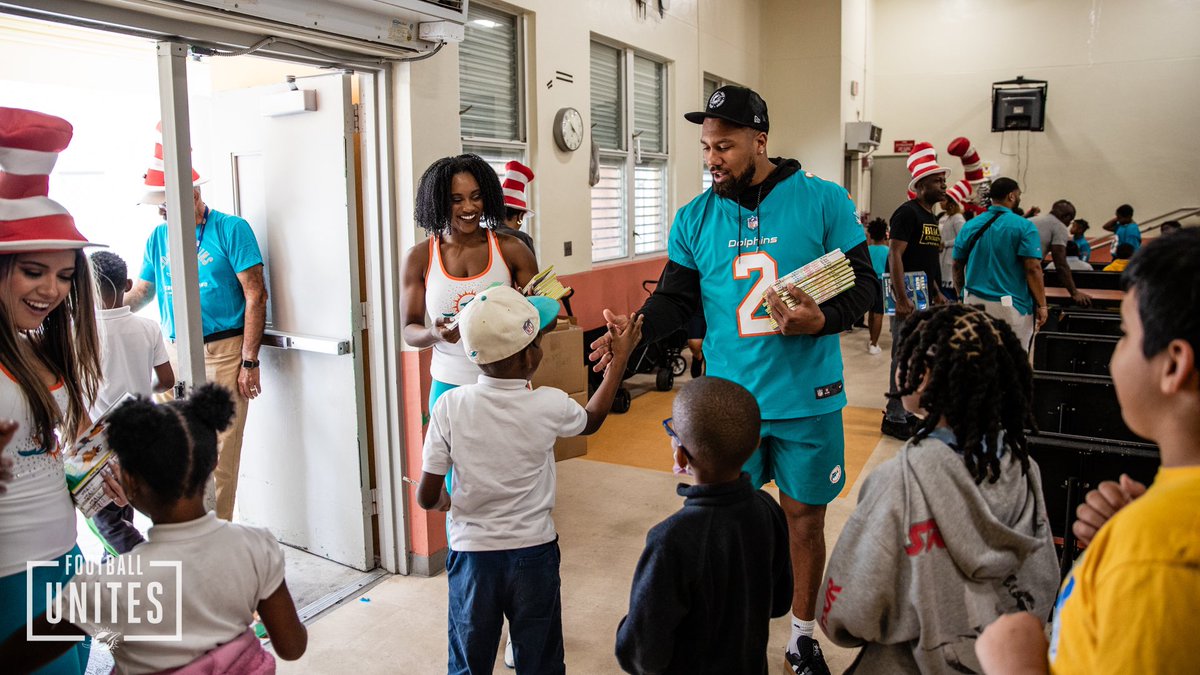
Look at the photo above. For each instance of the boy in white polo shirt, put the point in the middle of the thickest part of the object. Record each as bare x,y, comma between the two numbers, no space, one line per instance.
498,435
132,350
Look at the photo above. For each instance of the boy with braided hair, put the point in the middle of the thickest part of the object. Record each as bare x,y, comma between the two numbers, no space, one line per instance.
951,533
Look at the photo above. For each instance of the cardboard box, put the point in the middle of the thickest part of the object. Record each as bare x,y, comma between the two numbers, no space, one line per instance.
562,364
576,446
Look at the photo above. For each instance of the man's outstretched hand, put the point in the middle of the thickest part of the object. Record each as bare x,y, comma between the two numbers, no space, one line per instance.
602,347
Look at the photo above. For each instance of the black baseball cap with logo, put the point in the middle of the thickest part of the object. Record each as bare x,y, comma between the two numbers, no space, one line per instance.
739,105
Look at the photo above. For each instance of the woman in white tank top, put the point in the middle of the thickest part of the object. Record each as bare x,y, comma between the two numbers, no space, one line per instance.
459,201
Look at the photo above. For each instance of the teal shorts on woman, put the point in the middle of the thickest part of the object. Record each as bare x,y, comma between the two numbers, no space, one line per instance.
13,611
805,456
436,389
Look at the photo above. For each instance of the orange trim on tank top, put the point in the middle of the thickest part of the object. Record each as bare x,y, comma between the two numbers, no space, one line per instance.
491,242
56,385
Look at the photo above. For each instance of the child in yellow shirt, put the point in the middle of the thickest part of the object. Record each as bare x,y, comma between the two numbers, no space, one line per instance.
1143,567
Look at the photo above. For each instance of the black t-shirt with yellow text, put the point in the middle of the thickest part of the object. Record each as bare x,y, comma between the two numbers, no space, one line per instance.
919,228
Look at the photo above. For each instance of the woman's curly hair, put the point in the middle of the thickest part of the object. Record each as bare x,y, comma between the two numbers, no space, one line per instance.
433,205
977,376
172,448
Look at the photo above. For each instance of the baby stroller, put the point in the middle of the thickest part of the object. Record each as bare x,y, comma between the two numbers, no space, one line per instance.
663,358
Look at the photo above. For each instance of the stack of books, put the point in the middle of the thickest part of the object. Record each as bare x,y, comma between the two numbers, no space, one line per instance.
821,279
546,283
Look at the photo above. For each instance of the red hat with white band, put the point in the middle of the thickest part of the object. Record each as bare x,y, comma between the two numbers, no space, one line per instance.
960,192
516,179
922,162
29,220
972,165
155,179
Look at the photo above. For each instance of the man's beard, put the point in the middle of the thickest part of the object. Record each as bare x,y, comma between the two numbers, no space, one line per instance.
928,198
732,189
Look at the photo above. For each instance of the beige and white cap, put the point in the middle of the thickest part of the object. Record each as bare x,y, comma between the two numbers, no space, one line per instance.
500,322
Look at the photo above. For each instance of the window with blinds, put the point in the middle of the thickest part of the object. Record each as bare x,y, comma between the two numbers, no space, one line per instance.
629,124
648,106
650,207
608,211
488,82
496,157
607,96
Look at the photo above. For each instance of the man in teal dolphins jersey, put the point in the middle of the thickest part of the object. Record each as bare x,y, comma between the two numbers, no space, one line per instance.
762,219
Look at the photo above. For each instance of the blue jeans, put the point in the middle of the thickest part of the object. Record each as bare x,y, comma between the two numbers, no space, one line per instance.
522,584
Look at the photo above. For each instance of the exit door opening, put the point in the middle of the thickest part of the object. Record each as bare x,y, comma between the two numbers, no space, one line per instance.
307,459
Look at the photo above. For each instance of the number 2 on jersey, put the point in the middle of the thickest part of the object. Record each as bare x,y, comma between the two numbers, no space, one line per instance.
744,266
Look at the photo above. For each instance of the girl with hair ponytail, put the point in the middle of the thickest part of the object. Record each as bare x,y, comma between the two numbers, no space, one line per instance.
165,454
952,533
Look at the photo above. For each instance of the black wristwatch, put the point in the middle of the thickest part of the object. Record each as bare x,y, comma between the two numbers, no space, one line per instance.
248,364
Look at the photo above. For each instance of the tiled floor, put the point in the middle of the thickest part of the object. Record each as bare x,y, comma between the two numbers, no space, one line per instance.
602,515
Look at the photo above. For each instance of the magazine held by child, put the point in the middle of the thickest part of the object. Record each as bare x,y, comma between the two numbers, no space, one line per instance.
85,462
822,279
916,284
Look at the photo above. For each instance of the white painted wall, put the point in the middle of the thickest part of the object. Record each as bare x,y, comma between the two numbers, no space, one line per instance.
1123,101
856,38
802,82
695,36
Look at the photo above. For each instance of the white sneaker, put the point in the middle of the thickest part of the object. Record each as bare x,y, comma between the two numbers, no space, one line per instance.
873,349
508,654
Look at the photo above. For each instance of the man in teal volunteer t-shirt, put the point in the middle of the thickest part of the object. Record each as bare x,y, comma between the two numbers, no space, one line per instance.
997,259
233,303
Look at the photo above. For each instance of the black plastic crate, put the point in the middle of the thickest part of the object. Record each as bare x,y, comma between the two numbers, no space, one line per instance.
1082,406
1108,281
1073,353
1070,467
1083,322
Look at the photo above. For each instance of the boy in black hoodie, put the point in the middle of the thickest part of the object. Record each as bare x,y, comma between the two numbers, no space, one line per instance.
714,573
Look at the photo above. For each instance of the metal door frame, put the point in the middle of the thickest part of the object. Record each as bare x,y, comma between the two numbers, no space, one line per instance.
381,263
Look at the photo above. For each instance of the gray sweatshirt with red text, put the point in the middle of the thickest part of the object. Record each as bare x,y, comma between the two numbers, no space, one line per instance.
929,558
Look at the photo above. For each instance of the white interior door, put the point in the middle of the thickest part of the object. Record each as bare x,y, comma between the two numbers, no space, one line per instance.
304,472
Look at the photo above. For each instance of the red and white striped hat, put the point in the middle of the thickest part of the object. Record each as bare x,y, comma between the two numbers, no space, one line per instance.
516,178
155,179
29,220
922,162
960,192
962,148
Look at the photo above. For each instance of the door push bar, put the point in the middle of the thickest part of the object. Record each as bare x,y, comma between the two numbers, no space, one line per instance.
305,343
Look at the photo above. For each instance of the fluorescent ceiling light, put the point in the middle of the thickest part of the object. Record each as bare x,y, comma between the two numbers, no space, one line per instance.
486,23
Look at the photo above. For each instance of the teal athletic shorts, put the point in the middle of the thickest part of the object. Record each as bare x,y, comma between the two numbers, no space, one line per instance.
436,389
805,456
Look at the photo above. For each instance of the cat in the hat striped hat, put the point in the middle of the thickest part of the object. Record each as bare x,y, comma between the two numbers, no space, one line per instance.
962,148
155,179
922,163
515,183
49,348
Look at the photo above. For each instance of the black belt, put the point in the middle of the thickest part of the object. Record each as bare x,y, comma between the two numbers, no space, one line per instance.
222,334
